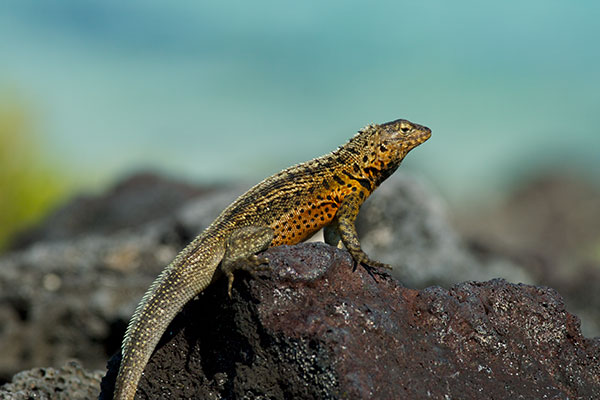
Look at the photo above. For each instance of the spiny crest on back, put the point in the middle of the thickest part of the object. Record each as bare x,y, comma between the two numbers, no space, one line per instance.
367,130
359,136
360,139
138,310
367,127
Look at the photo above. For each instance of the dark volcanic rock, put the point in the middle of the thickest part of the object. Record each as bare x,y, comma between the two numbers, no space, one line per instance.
72,298
313,328
551,226
70,382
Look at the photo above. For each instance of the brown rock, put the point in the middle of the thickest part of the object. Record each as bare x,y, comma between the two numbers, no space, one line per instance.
314,328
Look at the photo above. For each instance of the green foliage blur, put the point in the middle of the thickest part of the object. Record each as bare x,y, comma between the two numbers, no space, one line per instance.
29,185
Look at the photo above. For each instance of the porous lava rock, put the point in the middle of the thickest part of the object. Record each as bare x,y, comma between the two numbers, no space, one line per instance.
69,382
316,326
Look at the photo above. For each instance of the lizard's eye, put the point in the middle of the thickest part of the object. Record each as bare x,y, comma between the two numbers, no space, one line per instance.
405,129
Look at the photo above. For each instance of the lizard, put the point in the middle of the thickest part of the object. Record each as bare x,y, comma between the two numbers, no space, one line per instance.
286,208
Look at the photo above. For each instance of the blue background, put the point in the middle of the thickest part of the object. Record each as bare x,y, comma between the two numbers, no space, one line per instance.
237,90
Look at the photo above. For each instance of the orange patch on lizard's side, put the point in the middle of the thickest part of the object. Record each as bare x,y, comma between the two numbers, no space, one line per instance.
308,218
303,222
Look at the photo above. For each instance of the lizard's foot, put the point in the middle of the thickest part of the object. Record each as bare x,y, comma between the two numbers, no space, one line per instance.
371,266
378,265
375,270
256,261
361,258
251,264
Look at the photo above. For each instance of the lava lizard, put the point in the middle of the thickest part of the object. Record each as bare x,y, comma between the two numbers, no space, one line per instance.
286,208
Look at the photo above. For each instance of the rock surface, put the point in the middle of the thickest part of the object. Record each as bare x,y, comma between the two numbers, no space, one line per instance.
72,298
313,328
70,382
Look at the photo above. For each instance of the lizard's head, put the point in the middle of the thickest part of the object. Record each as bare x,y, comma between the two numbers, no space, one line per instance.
387,144
399,137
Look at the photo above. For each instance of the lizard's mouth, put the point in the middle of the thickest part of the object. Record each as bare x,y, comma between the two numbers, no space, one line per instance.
421,136
417,138
424,135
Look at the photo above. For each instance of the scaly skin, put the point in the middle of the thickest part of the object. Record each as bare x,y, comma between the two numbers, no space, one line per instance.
286,208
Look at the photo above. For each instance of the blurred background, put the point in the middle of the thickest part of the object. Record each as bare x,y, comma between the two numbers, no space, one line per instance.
91,91
126,126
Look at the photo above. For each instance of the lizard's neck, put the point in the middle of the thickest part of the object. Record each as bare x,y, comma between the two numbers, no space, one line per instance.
362,155
356,149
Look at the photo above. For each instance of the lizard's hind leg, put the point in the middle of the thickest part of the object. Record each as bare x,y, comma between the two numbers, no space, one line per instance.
241,248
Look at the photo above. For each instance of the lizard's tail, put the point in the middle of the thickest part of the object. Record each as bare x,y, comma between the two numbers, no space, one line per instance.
177,284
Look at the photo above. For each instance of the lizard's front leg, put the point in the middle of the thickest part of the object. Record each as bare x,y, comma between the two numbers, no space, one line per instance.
241,248
344,222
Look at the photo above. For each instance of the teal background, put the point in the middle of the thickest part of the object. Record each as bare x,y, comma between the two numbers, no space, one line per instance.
236,90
